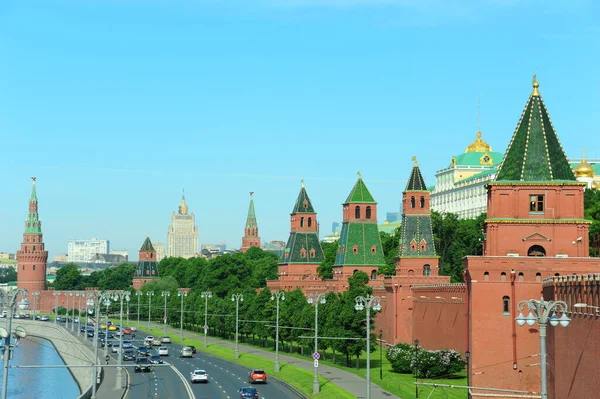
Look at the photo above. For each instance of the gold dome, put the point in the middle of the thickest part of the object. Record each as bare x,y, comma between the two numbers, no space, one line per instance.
584,169
479,145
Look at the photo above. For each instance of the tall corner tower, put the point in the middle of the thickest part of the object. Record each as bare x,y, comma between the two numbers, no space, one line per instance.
251,238
416,247
359,245
147,267
32,257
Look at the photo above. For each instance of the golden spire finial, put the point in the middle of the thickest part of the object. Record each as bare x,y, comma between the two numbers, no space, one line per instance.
414,159
302,181
359,175
535,85
251,194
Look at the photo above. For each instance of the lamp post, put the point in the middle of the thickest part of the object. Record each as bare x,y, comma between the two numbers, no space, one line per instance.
120,296
368,302
67,310
165,294
36,304
139,295
94,300
468,357
9,302
72,295
106,303
316,299
416,368
182,294
543,312
237,298
127,312
79,295
380,354
56,295
206,295
150,295
278,295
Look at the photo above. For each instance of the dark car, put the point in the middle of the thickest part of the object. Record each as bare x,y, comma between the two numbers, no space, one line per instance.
193,349
83,328
103,343
90,333
248,392
155,359
142,364
129,355
142,352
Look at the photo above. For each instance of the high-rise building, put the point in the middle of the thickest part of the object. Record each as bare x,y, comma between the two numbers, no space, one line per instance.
336,227
182,237
32,257
251,238
160,250
84,250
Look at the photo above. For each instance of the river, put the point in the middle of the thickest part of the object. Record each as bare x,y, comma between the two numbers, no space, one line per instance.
47,383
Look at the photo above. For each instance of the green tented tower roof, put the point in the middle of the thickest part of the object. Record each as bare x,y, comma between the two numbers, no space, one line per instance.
251,219
415,181
360,193
306,243
147,245
534,153
303,204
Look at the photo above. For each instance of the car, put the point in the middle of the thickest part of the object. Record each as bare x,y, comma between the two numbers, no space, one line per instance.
155,359
127,345
44,318
165,340
143,351
116,348
129,355
156,342
257,375
193,348
248,392
186,352
149,338
112,328
142,364
199,376
90,333
163,351
82,328
127,331
133,329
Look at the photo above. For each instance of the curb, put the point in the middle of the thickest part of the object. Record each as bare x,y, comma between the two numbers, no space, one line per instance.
290,387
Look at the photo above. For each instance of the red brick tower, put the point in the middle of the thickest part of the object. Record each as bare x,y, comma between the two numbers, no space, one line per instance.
251,238
147,268
32,257
535,228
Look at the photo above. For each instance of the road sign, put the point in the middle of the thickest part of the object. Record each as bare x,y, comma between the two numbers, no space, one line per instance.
165,319
206,326
316,356
316,363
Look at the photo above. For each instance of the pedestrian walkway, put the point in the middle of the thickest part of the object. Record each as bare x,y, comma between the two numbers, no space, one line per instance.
108,386
343,379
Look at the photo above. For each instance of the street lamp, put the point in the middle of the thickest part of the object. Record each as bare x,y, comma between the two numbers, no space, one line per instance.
206,295
182,294
56,295
106,303
150,295
237,298
67,310
95,299
128,312
316,299
165,294
278,295
380,354
139,295
120,296
36,304
79,295
540,310
468,357
368,302
72,295
9,302
416,368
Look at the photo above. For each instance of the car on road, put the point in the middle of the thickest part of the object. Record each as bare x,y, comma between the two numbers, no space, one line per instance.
104,343
155,359
90,333
144,350
116,348
163,351
142,364
127,331
165,340
44,318
112,328
186,352
257,375
199,376
193,348
156,342
149,338
248,392
127,345
133,329
82,328
129,355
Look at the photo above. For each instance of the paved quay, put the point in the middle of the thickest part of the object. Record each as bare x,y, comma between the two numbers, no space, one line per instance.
350,382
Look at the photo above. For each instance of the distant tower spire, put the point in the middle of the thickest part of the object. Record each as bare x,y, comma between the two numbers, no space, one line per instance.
183,208
251,238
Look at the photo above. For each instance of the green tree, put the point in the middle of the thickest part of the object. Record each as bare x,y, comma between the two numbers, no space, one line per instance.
68,277
325,269
390,243
117,278
8,274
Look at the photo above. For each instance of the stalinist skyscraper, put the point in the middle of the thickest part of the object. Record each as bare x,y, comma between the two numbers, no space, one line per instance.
182,238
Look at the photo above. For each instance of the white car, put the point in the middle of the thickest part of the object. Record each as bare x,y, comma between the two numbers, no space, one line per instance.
199,376
186,352
149,338
163,351
166,340
156,342
133,329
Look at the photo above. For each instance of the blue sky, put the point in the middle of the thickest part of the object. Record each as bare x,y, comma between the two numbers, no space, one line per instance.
117,105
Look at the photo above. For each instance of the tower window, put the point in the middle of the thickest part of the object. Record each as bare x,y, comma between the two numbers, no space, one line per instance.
506,306
426,270
373,249
309,222
373,274
357,212
412,202
23,268
536,203
33,267
312,253
303,253
422,202
355,249
305,204
486,276
368,212
502,276
302,221
521,276
538,277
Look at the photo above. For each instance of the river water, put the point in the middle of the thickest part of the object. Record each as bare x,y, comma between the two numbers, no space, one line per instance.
46,383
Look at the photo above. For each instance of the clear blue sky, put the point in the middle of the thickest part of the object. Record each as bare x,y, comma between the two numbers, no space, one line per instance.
117,105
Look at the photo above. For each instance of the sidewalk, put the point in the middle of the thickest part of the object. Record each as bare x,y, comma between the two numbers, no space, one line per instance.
107,388
350,382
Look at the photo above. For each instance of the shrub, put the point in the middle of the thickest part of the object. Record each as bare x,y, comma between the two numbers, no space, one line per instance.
400,357
425,363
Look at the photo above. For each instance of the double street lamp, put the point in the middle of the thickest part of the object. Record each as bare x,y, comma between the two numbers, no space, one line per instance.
206,295
139,295
316,299
182,294
56,295
150,295
94,300
543,312
120,296
36,304
278,295
368,302
9,301
237,298
165,294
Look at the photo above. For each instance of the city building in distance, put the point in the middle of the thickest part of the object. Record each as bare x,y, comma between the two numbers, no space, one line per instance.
84,250
183,238
160,250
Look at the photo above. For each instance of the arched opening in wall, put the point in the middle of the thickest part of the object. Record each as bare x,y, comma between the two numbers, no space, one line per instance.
33,267
309,222
502,276
556,274
536,250
302,221
368,212
422,202
426,270
486,276
411,273
538,277
521,276
373,274
357,212
412,202
506,306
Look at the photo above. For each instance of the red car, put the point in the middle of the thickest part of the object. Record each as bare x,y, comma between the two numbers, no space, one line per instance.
257,375
127,331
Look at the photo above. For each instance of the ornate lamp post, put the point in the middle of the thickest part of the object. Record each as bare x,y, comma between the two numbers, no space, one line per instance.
237,298
106,303
316,299
56,295
468,358
139,295
165,294
9,302
36,304
368,302
416,368
278,295
79,295
94,300
127,312
206,295
73,295
150,295
120,296
543,312
67,310
182,294
380,354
